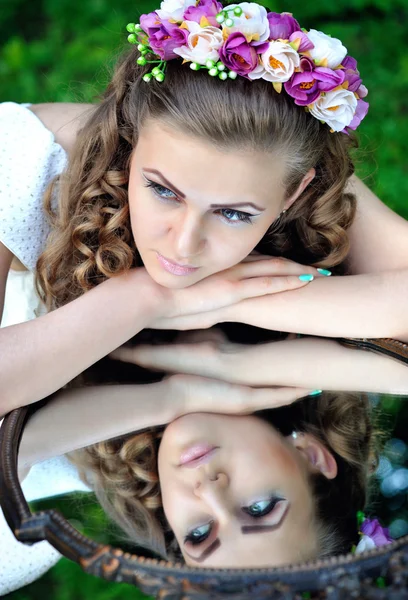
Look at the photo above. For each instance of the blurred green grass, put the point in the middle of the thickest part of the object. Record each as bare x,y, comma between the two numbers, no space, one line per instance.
63,50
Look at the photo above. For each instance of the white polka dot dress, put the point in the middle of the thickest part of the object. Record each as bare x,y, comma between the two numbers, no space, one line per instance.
29,159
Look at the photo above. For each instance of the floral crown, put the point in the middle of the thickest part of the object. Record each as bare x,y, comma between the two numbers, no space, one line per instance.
244,39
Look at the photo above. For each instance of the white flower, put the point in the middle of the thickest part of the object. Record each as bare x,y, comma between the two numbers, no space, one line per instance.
277,63
253,22
174,9
336,108
366,543
326,47
203,43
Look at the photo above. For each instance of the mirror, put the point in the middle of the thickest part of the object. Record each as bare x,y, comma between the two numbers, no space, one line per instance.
229,490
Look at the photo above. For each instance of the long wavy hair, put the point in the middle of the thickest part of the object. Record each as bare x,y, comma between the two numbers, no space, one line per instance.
91,238
123,473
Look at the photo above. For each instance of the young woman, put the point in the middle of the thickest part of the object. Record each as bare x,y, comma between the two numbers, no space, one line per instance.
169,188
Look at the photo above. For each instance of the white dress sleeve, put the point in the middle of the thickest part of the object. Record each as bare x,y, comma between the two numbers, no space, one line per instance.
29,159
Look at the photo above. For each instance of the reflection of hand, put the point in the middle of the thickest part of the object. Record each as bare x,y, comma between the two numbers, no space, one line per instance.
202,304
200,352
193,393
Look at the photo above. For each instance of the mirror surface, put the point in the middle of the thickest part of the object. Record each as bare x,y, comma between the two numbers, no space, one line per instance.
167,468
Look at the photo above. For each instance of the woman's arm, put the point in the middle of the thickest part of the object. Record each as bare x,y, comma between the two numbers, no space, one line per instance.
361,306
76,418
38,357
311,362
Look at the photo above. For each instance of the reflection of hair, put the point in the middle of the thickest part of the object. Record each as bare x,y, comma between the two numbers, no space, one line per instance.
123,473
91,236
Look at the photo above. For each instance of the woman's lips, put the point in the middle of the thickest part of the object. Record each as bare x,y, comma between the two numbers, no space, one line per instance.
173,267
197,455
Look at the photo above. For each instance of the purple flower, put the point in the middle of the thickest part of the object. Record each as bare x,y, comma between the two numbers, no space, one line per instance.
282,25
305,87
163,35
304,42
371,527
238,55
362,91
205,8
350,63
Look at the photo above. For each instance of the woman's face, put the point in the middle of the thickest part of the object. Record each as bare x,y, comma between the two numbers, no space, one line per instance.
247,502
208,210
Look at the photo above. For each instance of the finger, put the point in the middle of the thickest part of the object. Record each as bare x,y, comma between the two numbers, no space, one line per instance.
262,286
257,267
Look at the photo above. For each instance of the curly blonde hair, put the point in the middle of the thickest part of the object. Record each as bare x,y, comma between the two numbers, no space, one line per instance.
123,473
91,238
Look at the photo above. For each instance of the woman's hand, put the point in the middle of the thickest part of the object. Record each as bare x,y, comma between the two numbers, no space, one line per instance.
207,302
193,393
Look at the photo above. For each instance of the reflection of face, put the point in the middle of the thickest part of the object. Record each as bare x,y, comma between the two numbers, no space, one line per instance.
248,504
190,231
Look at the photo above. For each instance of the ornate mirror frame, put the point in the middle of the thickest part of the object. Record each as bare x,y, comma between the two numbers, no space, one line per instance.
336,578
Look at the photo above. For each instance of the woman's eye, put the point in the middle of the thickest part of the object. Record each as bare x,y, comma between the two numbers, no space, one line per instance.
199,534
156,187
261,508
230,213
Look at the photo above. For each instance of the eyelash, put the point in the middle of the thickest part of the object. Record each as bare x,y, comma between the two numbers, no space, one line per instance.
243,216
189,538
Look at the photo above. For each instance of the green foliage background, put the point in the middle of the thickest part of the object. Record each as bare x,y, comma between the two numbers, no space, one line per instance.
63,51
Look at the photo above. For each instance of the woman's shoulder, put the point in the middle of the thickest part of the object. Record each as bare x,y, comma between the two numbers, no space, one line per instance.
63,120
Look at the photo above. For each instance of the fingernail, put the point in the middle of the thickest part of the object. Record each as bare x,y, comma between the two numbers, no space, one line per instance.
324,272
306,277
315,393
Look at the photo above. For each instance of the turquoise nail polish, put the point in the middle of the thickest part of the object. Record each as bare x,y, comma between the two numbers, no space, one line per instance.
306,277
315,392
324,272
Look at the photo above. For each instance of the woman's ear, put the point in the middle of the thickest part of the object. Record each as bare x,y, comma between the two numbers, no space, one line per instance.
318,457
302,186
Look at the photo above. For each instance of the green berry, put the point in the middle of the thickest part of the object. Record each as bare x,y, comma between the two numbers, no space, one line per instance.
160,77
138,27
238,11
232,75
155,71
141,60
132,39
194,66
220,66
213,72
210,64
148,77
141,47
229,22
223,76
130,27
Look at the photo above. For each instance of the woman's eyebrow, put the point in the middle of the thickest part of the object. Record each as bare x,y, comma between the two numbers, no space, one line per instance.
180,193
245,529
207,552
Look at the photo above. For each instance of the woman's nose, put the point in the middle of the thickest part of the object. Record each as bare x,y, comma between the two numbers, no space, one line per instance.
213,490
189,240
